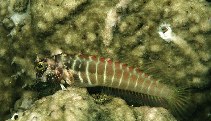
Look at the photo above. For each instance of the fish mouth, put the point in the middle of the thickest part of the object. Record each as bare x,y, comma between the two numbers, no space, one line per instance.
49,75
41,77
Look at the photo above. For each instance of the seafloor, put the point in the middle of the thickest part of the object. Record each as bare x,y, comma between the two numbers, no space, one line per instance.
130,31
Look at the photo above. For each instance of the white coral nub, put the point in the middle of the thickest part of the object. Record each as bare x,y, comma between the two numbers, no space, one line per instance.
165,32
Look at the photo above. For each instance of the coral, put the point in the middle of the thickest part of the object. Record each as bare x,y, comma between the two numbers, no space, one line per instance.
111,21
47,13
3,9
169,60
76,104
20,5
153,114
125,30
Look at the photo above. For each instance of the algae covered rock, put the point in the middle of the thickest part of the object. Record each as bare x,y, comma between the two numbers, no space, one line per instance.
75,104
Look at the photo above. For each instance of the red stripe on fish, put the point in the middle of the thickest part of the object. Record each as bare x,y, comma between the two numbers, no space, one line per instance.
98,71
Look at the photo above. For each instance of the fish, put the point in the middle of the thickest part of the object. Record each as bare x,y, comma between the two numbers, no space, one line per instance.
91,71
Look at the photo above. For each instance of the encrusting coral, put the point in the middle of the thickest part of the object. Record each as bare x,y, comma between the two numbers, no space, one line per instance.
125,30
75,104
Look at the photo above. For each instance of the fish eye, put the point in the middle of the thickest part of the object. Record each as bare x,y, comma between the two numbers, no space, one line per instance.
40,66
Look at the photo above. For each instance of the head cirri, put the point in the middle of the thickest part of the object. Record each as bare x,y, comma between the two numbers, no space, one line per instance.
47,70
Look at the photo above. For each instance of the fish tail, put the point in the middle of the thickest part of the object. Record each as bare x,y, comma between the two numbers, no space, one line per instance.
179,103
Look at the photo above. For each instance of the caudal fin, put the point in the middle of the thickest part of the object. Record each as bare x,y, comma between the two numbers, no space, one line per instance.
180,103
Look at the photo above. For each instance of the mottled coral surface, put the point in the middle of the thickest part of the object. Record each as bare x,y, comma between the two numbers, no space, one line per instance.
124,30
75,104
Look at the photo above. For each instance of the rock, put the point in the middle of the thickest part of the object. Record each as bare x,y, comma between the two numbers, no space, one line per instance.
75,104
153,114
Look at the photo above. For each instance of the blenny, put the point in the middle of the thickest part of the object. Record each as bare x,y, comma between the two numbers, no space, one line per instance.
88,71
